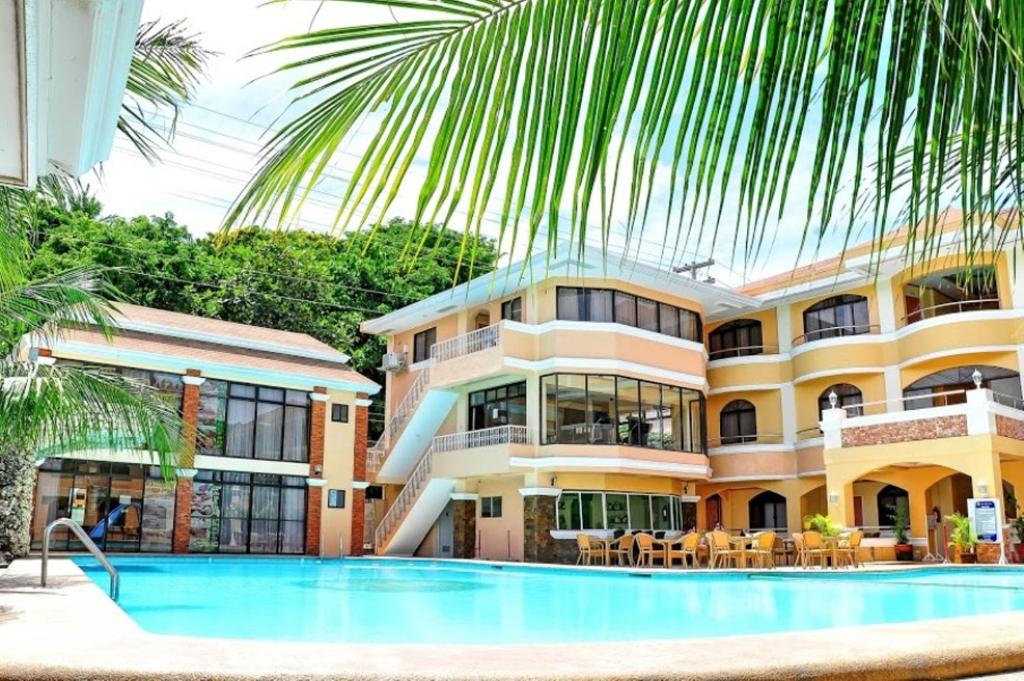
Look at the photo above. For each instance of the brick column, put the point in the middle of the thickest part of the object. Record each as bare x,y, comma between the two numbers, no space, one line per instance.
315,496
464,526
538,521
359,475
186,461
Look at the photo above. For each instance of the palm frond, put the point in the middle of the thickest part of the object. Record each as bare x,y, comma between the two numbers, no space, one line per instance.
51,410
167,64
561,117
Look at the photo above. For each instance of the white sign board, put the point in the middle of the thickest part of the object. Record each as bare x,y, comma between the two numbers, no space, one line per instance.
986,519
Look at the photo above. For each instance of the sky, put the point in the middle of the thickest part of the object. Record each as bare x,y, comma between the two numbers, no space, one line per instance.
218,137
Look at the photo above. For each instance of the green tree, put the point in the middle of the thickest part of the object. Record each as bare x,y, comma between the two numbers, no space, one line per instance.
557,113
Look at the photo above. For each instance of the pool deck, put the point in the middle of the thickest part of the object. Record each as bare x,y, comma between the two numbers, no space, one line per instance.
72,630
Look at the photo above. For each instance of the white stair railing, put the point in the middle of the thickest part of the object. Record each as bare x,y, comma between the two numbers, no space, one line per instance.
466,344
487,437
376,454
406,498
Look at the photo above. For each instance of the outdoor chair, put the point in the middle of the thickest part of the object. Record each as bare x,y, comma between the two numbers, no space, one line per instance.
587,550
645,544
764,548
814,548
682,548
798,548
622,550
721,549
848,548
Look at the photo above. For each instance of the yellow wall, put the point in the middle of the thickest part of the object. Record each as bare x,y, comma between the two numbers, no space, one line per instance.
501,538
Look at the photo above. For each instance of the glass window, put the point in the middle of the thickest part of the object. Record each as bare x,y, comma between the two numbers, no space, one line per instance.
601,409
264,423
512,310
625,308
845,315
661,507
211,426
616,511
241,433
669,319
599,305
738,338
847,397
549,408
339,413
640,512
571,304
629,411
738,422
650,405
269,430
421,344
572,409
592,508
501,406
569,511
490,507
158,515
647,314
335,498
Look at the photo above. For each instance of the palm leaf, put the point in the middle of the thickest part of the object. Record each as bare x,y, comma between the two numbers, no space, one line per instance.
167,63
528,111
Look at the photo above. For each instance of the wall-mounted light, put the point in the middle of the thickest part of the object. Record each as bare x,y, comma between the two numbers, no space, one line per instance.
982,488
833,399
318,469
977,378
833,496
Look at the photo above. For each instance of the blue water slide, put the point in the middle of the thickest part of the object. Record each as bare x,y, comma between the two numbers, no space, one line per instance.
100,530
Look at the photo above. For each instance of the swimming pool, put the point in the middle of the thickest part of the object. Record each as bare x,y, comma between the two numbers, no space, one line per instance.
418,601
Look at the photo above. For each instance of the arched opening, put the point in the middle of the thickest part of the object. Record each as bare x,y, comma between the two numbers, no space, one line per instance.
483,319
737,423
949,385
845,315
1010,502
950,291
848,397
890,500
813,501
713,511
767,511
738,338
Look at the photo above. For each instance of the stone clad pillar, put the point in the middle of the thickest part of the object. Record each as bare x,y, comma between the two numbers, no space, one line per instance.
186,460
539,508
362,424
315,481
464,524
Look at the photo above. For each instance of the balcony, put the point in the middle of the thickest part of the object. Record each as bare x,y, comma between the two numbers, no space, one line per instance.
835,332
956,307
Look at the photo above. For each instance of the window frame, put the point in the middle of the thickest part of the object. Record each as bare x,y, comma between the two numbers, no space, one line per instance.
339,413
512,309
583,307
737,413
675,505
843,395
488,505
732,329
685,413
429,339
521,391
257,400
845,301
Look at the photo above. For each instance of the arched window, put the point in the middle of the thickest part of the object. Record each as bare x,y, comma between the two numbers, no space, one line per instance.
848,397
950,291
738,422
890,498
767,511
738,338
844,315
949,385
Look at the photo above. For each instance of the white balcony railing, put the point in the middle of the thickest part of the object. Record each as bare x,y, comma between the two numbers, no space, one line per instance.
376,454
487,437
466,344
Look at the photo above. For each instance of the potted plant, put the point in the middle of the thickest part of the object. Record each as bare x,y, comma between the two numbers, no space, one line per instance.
900,523
962,539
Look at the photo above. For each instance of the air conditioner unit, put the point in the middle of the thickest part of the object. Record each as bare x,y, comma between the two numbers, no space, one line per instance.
393,361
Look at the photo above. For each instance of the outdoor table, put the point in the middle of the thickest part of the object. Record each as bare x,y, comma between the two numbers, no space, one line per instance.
743,543
832,546
665,546
605,544
788,550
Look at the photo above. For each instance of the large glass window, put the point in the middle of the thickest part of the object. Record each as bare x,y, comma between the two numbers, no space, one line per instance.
122,507
950,385
249,422
501,406
951,291
738,423
580,409
604,305
845,315
738,338
247,513
512,310
593,510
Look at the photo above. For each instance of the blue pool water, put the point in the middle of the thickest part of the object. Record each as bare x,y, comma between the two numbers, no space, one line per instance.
394,601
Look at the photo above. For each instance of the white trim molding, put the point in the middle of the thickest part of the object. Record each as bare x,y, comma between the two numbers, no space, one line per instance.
316,482
838,371
612,365
320,397
754,387
188,473
548,462
359,484
193,380
463,496
604,327
359,402
752,478
540,491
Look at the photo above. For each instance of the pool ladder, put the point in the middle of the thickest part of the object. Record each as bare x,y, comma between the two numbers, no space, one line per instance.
76,529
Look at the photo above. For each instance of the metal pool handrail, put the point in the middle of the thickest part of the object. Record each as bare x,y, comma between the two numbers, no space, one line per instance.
76,529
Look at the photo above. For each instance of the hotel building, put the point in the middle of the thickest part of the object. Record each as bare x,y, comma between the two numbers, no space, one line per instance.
275,436
548,398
